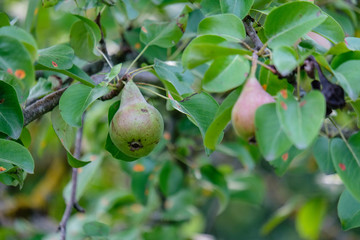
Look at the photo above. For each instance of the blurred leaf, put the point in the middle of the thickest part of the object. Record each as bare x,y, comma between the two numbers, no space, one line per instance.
85,176
49,3
74,72
321,151
285,59
347,75
162,233
226,73
271,83
301,121
246,187
25,137
11,116
76,99
270,137
286,24
15,59
353,43
343,57
75,163
310,217
115,70
171,178
206,48
212,175
43,87
96,229
356,106
64,131
4,20
22,36
346,164
14,153
349,211
280,215
239,151
227,26
221,119
161,34
57,56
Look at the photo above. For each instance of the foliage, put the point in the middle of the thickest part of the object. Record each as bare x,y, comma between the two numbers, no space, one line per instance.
190,59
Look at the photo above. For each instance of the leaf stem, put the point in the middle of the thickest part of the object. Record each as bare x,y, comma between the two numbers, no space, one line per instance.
157,94
346,142
137,58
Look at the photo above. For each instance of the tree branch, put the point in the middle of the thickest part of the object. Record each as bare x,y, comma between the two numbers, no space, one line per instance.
251,32
72,201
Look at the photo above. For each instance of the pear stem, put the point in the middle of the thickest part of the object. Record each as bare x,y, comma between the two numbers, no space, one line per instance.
155,86
253,65
157,94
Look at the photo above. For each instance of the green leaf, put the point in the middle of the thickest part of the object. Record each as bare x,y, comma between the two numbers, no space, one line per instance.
85,176
83,41
321,151
58,57
240,8
174,77
226,73
221,119
49,3
25,137
240,150
115,70
208,47
201,108
270,137
109,145
4,20
346,164
171,178
22,36
162,34
96,229
227,26
76,163
348,211
76,99
310,217
343,57
216,178
42,87
285,59
74,72
14,153
353,43
286,24
347,75
15,59
246,187
331,30
301,121
282,163
64,131
11,116
271,82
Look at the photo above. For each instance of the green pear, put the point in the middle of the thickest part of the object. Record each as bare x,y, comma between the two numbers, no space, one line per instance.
137,126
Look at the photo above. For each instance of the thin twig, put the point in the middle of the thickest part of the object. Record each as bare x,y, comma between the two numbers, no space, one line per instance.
72,201
251,32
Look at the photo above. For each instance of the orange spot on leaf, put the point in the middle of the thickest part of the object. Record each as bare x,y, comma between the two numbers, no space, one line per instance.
137,45
92,157
54,64
79,170
283,105
264,86
302,103
2,169
284,93
36,11
9,70
285,157
342,166
138,168
144,29
19,73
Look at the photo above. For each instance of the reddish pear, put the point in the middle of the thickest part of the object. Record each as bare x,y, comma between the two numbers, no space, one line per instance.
243,113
